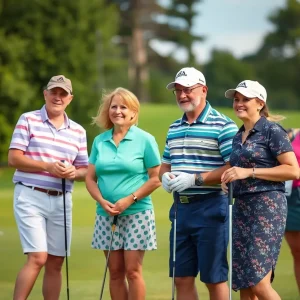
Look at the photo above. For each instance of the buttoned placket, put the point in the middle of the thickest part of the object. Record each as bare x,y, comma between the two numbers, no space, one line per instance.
116,147
244,145
53,129
186,135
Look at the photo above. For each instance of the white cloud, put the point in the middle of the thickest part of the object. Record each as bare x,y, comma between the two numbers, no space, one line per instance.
239,44
169,48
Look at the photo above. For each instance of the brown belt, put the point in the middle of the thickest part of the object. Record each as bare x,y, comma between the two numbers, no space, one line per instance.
48,192
199,197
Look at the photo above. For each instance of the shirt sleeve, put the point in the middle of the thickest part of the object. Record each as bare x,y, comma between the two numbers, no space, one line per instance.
81,159
279,141
21,135
226,136
166,159
151,153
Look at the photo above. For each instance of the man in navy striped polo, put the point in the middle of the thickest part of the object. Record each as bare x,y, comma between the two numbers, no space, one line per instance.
196,154
46,146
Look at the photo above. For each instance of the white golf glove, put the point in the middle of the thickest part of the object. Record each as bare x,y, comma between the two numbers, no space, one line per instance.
165,181
181,182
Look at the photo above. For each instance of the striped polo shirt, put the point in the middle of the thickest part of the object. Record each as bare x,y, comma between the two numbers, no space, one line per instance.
40,140
199,147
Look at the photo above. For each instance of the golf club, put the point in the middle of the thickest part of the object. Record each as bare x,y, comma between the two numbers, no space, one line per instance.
63,181
230,202
113,227
175,196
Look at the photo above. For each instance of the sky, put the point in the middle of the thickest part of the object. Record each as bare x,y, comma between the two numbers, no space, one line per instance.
235,25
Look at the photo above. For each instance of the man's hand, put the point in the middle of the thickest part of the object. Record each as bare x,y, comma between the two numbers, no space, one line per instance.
165,179
224,187
69,172
181,182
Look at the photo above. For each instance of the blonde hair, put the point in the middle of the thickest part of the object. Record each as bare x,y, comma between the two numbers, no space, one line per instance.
273,118
129,99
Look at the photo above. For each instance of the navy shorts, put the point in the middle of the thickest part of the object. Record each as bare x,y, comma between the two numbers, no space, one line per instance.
201,238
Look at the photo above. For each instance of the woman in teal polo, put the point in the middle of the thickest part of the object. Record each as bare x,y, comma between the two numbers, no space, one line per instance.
123,171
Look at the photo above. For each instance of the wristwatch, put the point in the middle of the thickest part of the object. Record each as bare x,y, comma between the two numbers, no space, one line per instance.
135,199
199,180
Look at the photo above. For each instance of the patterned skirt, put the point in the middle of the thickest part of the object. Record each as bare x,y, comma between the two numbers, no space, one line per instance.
258,229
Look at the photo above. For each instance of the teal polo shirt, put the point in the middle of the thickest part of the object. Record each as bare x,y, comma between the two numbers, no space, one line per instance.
122,170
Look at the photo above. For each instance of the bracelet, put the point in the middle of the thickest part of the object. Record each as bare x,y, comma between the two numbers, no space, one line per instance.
253,173
135,199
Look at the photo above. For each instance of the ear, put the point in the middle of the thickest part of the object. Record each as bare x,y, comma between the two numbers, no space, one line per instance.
262,104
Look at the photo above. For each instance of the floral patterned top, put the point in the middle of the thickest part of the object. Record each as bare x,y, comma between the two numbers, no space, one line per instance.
260,150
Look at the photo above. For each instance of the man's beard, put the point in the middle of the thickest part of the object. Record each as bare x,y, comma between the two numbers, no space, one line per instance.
191,107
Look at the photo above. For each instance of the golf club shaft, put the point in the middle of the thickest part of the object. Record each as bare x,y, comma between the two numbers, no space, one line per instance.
230,201
66,239
174,245
113,228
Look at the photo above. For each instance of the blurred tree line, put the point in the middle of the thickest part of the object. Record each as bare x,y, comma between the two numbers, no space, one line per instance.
102,44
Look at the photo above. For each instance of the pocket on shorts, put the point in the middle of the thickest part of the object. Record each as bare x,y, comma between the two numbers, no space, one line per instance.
217,208
20,194
69,202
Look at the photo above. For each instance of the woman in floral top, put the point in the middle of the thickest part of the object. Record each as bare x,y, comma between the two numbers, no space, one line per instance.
262,159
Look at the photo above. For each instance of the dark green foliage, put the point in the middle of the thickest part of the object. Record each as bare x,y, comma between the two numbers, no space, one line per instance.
39,39
224,71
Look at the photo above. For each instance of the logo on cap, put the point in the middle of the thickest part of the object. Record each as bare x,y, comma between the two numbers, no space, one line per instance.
60,79
242,84
181,73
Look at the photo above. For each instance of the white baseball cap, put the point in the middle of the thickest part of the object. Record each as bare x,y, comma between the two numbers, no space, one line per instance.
250,89
187,77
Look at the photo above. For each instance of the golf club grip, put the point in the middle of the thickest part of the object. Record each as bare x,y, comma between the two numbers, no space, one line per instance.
114,223
230,193
63,184
115,220
63,181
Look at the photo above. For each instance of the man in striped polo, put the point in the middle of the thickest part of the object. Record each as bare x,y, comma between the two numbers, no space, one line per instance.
196,154
46,146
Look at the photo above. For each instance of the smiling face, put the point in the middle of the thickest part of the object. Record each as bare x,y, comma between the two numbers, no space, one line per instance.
188,99
119,113
246,108
56,99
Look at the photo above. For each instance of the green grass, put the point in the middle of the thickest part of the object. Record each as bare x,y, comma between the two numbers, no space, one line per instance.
86,266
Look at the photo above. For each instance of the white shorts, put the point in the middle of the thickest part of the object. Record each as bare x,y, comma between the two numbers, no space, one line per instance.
133,232
40,220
